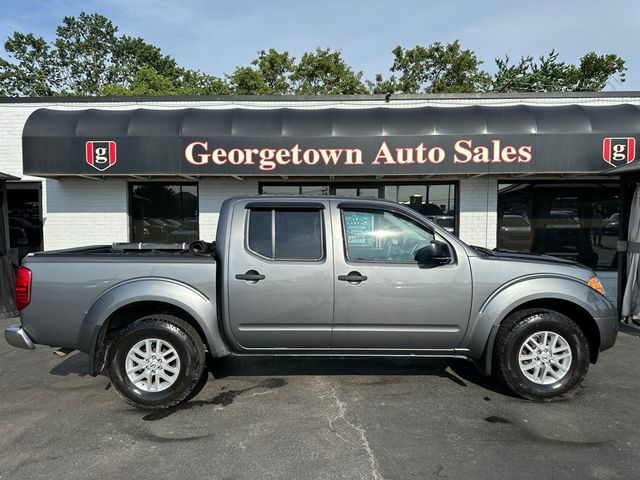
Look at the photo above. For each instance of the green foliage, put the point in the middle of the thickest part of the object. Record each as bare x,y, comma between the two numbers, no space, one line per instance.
89,57
148,82
548,74
34,73
84,49
324,72
437,68
596,71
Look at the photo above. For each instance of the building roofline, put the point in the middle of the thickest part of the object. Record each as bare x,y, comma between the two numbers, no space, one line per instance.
321,98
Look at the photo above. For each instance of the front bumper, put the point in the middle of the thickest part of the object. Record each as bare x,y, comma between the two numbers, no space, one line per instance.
608,327
17,337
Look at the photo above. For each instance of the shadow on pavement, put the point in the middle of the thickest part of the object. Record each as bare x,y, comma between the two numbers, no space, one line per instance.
74,364
458,371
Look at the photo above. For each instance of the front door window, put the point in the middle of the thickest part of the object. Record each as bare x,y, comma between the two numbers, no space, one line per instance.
382,236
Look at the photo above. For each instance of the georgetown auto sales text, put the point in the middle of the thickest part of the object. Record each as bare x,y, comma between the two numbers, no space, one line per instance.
268,159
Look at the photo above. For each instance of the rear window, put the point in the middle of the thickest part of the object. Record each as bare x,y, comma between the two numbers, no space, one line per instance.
281,234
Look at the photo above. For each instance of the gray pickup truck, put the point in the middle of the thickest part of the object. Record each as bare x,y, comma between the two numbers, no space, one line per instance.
314,276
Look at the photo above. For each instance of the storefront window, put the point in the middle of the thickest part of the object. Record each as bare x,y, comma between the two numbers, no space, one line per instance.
25,219
437,201
573,220
162,212
295,190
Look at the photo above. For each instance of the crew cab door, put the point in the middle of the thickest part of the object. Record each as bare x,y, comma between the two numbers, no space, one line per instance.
280,276
384,300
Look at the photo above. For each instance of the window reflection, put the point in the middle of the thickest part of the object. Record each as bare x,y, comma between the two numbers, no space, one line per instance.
166,213
577,221
437,201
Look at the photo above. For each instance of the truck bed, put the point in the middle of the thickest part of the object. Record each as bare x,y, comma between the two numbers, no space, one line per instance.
67,284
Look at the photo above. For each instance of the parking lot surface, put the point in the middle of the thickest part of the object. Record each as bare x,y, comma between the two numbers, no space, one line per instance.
313,418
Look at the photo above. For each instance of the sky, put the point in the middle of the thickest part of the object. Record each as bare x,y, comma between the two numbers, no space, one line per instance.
217,36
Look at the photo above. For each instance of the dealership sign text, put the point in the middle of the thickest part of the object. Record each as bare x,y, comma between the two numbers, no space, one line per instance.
268,159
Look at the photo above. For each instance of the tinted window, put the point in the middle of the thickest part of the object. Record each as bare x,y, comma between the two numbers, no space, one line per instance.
163,212
298,234
260,232
573,220
382,236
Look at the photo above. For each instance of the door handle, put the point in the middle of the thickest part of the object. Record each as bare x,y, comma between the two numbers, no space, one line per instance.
352,277
250,276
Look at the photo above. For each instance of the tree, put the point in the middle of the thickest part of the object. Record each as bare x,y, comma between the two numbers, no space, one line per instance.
276,68
437,68
269,74
149,82
89,57
84,47
131,54
35,74
548,74
596,71
324,72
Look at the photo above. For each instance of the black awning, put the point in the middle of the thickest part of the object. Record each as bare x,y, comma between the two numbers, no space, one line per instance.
330,141
633,167
6,176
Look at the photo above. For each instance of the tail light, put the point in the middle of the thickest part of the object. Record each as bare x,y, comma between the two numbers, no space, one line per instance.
23,287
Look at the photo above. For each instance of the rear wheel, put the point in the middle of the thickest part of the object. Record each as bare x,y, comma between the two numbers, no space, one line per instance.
156,361
541,354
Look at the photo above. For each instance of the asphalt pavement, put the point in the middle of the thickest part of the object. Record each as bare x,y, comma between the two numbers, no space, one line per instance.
316,418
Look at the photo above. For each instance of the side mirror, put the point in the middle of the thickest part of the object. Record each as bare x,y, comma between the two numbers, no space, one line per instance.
436,252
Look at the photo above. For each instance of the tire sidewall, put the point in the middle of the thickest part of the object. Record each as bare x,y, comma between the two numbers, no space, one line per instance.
146,329
552,322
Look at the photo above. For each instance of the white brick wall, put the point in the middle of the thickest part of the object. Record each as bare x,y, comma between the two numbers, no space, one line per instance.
212,193
479,211
12,120
81,212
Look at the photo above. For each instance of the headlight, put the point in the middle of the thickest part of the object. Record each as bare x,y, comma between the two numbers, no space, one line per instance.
596,285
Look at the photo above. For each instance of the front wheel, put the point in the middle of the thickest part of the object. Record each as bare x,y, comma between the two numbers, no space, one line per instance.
541,354
156,362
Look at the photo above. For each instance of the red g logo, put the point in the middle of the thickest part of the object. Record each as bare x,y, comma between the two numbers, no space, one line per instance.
101,155
618,150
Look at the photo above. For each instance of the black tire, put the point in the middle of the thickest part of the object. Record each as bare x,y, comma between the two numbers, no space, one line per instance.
516,329
185,341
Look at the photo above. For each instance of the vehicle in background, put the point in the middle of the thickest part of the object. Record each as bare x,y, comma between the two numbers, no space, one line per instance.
562,235
514,232
34,232
611,225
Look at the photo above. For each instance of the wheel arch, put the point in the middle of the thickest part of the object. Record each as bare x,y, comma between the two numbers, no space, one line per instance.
570,309
132,300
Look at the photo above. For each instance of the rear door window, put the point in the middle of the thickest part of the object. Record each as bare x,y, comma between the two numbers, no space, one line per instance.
283,234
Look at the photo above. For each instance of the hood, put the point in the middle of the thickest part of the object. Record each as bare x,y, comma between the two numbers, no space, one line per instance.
533,257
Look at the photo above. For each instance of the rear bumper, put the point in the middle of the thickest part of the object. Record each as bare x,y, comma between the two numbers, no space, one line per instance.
608,327
17,337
